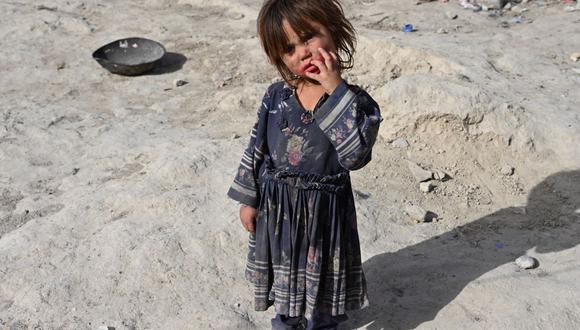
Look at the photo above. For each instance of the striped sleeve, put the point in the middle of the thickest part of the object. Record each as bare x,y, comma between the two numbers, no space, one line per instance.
246,188
350,118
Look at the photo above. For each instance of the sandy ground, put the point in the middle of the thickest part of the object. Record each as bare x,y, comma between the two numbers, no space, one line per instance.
112,189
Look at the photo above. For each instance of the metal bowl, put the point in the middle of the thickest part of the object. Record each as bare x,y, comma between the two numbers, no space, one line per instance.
130,56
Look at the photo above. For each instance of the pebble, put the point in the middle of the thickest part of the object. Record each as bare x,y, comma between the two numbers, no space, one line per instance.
451,15
426,186
235,136
507,170
400,143
439,175
60,65
419,173
519,9
180,82
508,6
575,57
442,31
417,213
527,262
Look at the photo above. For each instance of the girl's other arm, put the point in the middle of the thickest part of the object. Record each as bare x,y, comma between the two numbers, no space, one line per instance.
245,188
350,118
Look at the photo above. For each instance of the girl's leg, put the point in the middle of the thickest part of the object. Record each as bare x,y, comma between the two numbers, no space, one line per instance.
320,321
283,322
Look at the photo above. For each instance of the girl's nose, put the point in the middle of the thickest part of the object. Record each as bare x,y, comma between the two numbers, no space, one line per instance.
304,51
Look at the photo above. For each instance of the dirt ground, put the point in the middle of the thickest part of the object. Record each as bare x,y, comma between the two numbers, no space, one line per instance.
113,211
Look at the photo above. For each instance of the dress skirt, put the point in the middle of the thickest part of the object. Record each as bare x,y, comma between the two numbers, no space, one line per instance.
305,253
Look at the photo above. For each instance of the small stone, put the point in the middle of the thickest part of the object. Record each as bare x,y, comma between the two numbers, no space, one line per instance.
400,143
225,81
527,262
519,9
417,213
508,6
180,82
442,31
451,15
60,65
426,186
419,173
439,175
507,170
575,57
235,136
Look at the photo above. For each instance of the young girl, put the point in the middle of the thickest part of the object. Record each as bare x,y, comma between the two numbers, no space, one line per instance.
293,181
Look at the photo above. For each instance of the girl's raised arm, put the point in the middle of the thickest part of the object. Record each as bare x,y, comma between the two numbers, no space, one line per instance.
350,118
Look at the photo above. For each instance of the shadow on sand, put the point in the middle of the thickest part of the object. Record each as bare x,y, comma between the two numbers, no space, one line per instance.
171,62
410,286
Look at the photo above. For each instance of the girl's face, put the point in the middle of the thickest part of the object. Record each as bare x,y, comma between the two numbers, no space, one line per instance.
301,50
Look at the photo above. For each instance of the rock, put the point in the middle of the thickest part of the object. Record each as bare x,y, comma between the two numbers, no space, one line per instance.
442,31
575,57
507,170
400,143
426,186
508,6
451,15
60,65
439,175
519,9
225,81
419,173
235,136
417,213
180,82
527,262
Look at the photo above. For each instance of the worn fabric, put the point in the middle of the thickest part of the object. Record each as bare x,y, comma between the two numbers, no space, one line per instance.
305,254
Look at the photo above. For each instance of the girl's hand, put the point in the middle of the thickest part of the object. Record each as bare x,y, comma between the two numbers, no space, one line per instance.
248,216
329,75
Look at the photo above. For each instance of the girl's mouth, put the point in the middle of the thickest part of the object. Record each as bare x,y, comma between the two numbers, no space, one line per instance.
312,69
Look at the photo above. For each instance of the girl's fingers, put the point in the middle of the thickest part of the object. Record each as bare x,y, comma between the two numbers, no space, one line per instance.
311,75
327,57
334,57
320,65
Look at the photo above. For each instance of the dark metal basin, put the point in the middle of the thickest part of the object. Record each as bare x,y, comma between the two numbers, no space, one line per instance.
130,56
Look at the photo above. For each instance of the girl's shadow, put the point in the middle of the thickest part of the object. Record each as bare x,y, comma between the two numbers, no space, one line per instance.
410,286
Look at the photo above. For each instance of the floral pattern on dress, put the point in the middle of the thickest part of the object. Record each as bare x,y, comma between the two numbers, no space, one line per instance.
294,149
306,118
337,135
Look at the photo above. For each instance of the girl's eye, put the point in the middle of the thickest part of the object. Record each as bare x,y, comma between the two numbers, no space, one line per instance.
289,49
307,38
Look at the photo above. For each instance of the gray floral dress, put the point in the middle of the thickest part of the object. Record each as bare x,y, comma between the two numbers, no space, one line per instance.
305,254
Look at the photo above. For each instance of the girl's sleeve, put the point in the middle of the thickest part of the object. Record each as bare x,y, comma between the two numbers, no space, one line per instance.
350,118
246,187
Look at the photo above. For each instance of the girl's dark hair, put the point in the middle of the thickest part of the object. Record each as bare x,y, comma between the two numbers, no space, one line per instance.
300,14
